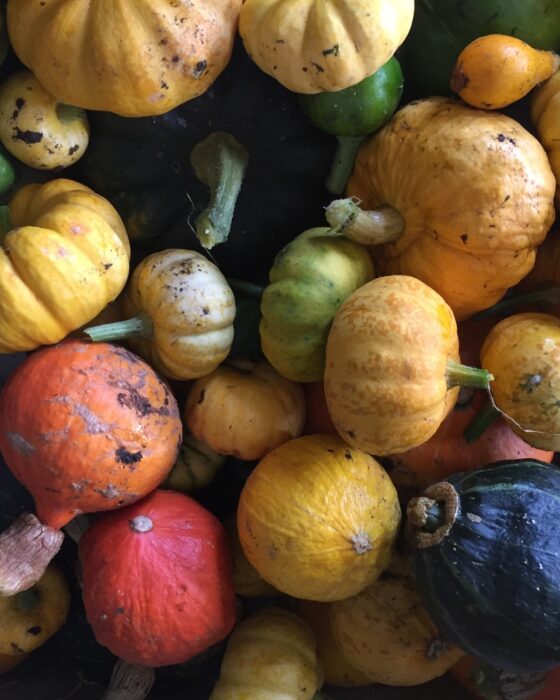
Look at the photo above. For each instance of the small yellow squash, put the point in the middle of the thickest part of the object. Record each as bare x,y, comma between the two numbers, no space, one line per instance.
271,655
318,519
64,257
36,128
322,45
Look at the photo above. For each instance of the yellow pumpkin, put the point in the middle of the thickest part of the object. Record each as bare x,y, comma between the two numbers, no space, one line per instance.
134,59
392,372
523,353
338,671
545,115
247,581
36,128
64,260
318,519
271,654
385,632
314,46
476,194
182,312
245,409
29,618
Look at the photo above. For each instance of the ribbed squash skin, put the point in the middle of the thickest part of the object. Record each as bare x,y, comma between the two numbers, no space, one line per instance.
492,585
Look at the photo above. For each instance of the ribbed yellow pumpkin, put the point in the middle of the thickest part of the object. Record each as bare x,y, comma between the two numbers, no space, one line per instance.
66,257
322,45
132,57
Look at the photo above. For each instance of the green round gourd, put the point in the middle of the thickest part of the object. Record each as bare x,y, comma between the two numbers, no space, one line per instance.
196,466
309,280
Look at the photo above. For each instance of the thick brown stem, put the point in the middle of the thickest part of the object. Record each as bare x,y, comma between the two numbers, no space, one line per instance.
130,682
431,516
26,549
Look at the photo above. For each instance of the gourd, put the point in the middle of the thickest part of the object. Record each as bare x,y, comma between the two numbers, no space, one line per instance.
124,58
312,47
245,409
282,525
246,579
181,312
544,115
309,280
157,583
392,371
468,237
196,466
385,632
485,559
522,351
496,70
36,128
30,618
64,257
270,654
85,428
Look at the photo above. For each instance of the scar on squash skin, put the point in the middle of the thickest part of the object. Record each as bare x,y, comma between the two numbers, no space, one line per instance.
20,444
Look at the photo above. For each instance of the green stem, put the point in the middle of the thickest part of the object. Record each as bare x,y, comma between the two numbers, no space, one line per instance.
463,375
219,161
138,326
343,163
483,419
27,600
5,222
68,113
247,288
551,296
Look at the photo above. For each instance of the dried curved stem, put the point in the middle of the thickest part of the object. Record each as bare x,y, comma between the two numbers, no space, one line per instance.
431,516
130,682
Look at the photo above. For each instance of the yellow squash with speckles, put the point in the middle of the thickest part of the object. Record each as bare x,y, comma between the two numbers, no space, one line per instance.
318,519
322,45
64,260
132,57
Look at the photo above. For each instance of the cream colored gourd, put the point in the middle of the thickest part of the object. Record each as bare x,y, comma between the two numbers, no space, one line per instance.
314,46
270,656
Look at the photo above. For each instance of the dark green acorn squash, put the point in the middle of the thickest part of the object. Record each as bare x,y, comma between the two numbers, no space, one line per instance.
486,559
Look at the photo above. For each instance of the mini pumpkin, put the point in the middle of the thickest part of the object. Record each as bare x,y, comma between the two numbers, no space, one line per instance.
304,547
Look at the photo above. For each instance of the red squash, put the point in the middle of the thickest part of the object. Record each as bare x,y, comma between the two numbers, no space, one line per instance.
157,580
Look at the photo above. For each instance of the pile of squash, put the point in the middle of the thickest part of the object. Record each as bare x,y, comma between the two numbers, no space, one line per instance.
280,337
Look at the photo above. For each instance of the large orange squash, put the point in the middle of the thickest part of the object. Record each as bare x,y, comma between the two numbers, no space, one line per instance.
476,193
318,519
132,57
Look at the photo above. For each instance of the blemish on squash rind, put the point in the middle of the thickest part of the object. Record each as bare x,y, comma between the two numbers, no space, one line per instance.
125,457
28,137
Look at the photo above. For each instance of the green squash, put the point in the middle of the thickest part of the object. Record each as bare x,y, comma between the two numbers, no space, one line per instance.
442,28
195,467
309,280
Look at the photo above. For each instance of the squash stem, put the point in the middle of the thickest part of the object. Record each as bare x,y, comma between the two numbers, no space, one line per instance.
550,296
463,375
483,419
5,222
219,161
67,114
138,326
435,517
343,163
381,225
247,288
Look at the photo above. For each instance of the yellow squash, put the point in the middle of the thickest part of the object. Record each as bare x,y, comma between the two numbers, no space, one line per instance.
131,57
318,519
271,655
64,260
322,45
545,115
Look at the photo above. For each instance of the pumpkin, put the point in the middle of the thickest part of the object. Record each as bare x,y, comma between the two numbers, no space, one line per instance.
392,371
246,579
30,618
496,70
37,129
485,560
63,261
196,466
270,654
385,632
522,353
182,312
124,58
157,584
337,670
469,237
309,280
85,428
290,539
544,115
245,409
312,47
